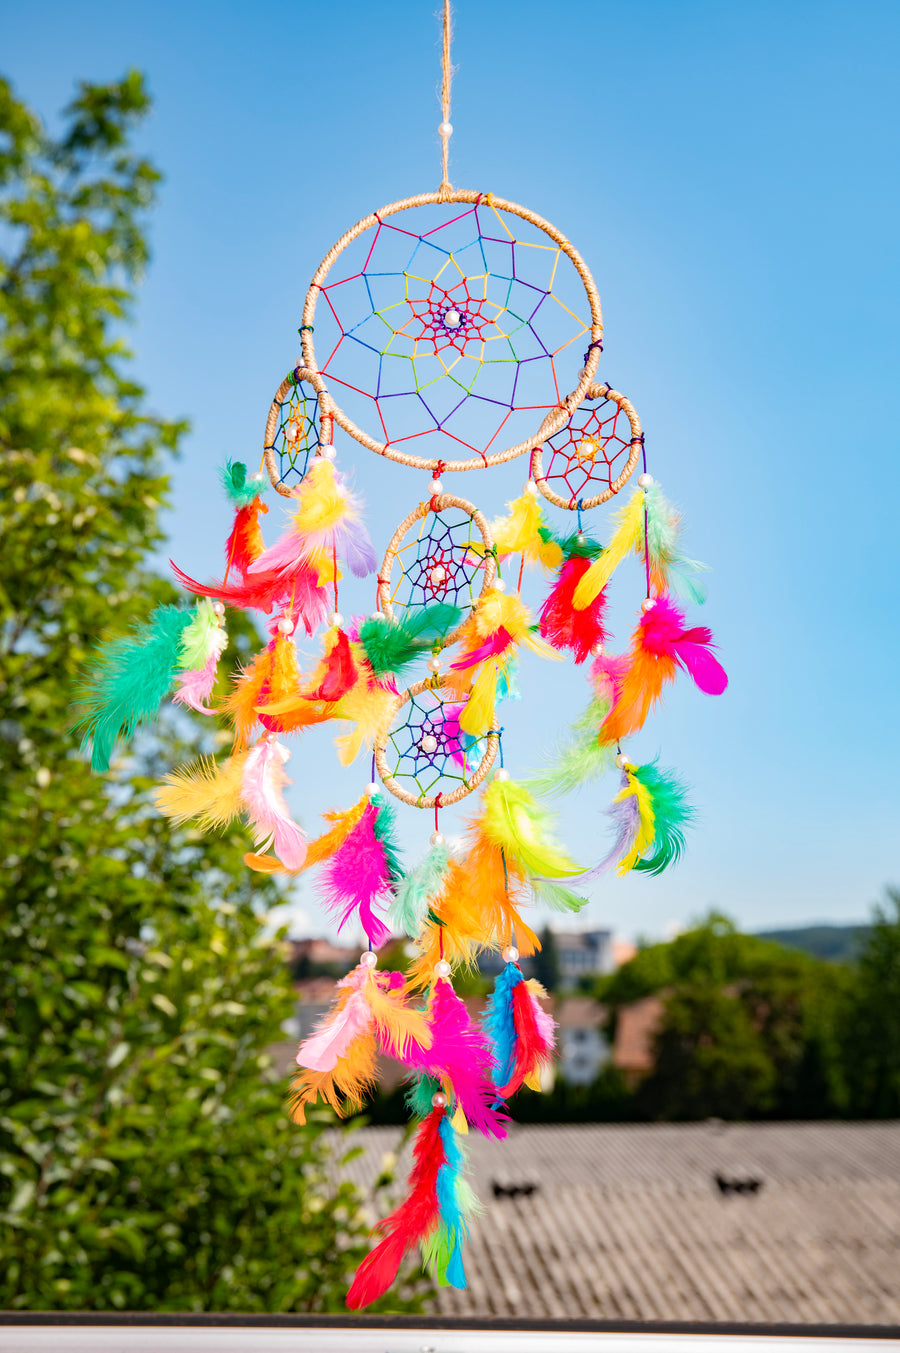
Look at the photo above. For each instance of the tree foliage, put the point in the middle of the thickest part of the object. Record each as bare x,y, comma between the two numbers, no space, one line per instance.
145,1157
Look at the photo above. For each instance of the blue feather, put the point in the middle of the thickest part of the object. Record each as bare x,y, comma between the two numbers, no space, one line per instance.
498,1022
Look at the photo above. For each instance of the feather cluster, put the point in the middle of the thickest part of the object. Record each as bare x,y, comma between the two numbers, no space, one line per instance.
524,531
650,814
338,1062
433,1216
659,646
391,646
360,876
628,537
520,1030
202,644
327,521
460,1059
561,624
514,822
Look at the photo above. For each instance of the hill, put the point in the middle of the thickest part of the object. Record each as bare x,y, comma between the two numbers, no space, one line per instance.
836,943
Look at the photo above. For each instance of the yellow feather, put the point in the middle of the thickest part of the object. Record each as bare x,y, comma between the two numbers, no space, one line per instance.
345,1088
478,714
397,1023
458,1122
628,536
533,1079
321,504
646,830
519,533
369,705
208,791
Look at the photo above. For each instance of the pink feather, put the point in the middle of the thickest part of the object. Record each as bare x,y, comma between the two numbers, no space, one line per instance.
334,1034
607,674
356,878
460,1054
663,633
493,646
546,1024
707,671
195,688
262,786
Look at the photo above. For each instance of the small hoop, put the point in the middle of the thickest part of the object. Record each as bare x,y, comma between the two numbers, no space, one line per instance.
439,503
298,376
442,800
577,501
557,415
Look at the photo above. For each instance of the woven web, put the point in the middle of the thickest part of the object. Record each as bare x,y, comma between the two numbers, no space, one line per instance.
589,452
454,340
442,561
437,769
297,434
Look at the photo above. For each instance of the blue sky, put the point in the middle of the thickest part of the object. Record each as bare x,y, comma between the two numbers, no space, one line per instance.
729,173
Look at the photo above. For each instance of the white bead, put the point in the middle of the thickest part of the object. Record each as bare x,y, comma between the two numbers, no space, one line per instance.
286,625
328,451
647,604
436,487
257,478
436,839
437,575
438,1101
428,744
434,664
510,955
336,619
442,968
377,615
368,959
499,585
597,650
531,488
645,480
502,774
218,608
445,129
452,319
373,788
622,761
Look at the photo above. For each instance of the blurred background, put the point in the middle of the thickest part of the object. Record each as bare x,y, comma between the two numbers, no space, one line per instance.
170,178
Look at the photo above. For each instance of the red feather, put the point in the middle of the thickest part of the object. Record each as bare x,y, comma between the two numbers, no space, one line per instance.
261,591
341,672
245,542
413,1220
564,627
532,1047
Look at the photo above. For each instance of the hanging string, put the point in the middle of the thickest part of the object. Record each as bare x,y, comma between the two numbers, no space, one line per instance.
445,130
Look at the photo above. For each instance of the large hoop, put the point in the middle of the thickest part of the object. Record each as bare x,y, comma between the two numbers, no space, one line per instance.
556,416
484,562
573,433
490,744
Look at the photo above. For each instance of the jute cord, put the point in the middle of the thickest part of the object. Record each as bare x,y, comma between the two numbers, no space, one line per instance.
582,504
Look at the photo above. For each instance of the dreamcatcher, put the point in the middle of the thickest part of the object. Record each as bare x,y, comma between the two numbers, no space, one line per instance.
450,331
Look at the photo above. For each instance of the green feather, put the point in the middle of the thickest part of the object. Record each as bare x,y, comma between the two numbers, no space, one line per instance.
391,645
383,829
237,486
195,637
130,677
421,884
579,759
671,814
579,546
418,1096
520,826
663,531
553,894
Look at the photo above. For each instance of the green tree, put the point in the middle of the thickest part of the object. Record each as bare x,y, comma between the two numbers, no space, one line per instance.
145,1156
871,1019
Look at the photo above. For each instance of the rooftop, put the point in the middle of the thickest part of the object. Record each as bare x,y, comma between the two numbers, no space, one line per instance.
643,1222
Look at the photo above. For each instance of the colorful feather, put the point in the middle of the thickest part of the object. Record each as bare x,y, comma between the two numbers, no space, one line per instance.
362,872
130,676
490,639
344,1087
241,490
391,645
208,792
271,677
338,673
628,536
514,822
659,646
414,892
328,518
581,758
650,814
203,642
520,1031
461,1059
412,1222
300,593
262,794
565,627
442,1250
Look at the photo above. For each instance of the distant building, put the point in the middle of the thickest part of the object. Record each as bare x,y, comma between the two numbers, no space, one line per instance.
582,1044
319,953
636,1028
583,953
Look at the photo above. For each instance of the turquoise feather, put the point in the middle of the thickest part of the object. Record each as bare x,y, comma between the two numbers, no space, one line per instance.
130,677
237,486
416,891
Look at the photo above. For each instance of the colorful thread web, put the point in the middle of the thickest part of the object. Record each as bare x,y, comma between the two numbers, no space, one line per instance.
452,335
428,753
443,561
296,438
585,453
